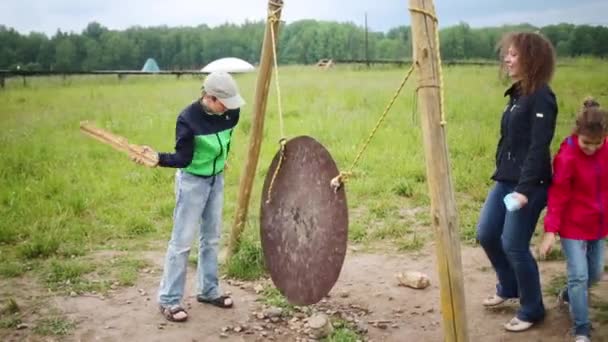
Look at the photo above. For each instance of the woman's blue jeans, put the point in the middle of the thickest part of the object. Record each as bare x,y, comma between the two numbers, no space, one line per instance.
505,237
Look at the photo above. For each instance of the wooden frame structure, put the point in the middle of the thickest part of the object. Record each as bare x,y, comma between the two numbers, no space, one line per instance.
443,209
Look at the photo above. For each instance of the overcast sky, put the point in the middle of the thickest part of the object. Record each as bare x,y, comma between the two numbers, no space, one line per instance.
73,15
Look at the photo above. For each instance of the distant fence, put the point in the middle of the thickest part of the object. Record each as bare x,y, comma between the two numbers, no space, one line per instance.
4,74
15,73
403,62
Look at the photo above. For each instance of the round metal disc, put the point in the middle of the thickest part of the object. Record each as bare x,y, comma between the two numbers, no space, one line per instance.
304,226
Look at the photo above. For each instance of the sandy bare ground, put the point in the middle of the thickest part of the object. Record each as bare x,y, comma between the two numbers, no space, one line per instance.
367,291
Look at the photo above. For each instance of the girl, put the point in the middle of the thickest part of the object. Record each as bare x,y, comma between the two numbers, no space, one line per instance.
577,208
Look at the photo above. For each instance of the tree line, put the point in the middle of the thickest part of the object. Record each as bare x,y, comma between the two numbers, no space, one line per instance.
300,42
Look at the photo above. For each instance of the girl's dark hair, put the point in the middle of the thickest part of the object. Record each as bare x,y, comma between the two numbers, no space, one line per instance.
536,58
592,120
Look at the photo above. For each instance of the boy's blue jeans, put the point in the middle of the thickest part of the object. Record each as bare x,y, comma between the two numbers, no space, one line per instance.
505,237
198,209
585,268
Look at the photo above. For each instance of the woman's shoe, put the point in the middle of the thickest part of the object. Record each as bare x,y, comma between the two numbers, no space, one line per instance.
517,325
493,300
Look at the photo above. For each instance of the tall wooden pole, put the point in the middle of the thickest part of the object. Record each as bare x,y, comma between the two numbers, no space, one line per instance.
255,139
443,208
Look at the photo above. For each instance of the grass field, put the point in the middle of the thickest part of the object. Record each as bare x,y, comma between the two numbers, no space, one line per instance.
63,195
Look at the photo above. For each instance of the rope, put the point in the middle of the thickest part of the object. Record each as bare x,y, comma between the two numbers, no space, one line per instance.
278,4
337,181
272,19
342,178
425,12
282,142
432,15
415,99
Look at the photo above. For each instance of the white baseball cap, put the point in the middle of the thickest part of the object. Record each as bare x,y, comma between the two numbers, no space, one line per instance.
221,85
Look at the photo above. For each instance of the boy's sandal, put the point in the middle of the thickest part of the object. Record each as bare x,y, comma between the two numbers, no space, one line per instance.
562,297
493,300
582,338
171,313
517,324
223,302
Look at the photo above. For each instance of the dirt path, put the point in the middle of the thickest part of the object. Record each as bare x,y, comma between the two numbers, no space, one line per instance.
367,284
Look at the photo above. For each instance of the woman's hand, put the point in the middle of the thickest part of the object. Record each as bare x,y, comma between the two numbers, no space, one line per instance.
546,245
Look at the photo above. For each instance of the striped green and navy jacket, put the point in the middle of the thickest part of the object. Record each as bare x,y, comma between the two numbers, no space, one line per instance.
202,141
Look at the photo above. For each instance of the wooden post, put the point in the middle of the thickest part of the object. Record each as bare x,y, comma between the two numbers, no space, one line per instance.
255,139
443,207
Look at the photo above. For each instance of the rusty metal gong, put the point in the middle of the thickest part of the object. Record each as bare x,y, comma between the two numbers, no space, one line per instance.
304,225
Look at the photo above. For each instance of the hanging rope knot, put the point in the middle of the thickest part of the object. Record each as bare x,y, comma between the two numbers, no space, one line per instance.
272,14
337,182
272,17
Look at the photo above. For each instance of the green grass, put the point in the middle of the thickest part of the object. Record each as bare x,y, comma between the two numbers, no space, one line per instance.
412,243
10,307
67,271
555,285
272,296
82,275
404,188
343,332
468,214
601,311
54,325
342,335
357,232
10,314
9,321
63,195
248,262
126,270
11,269
555,254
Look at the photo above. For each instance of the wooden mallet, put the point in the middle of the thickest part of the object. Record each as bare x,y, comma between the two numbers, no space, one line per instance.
148,157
